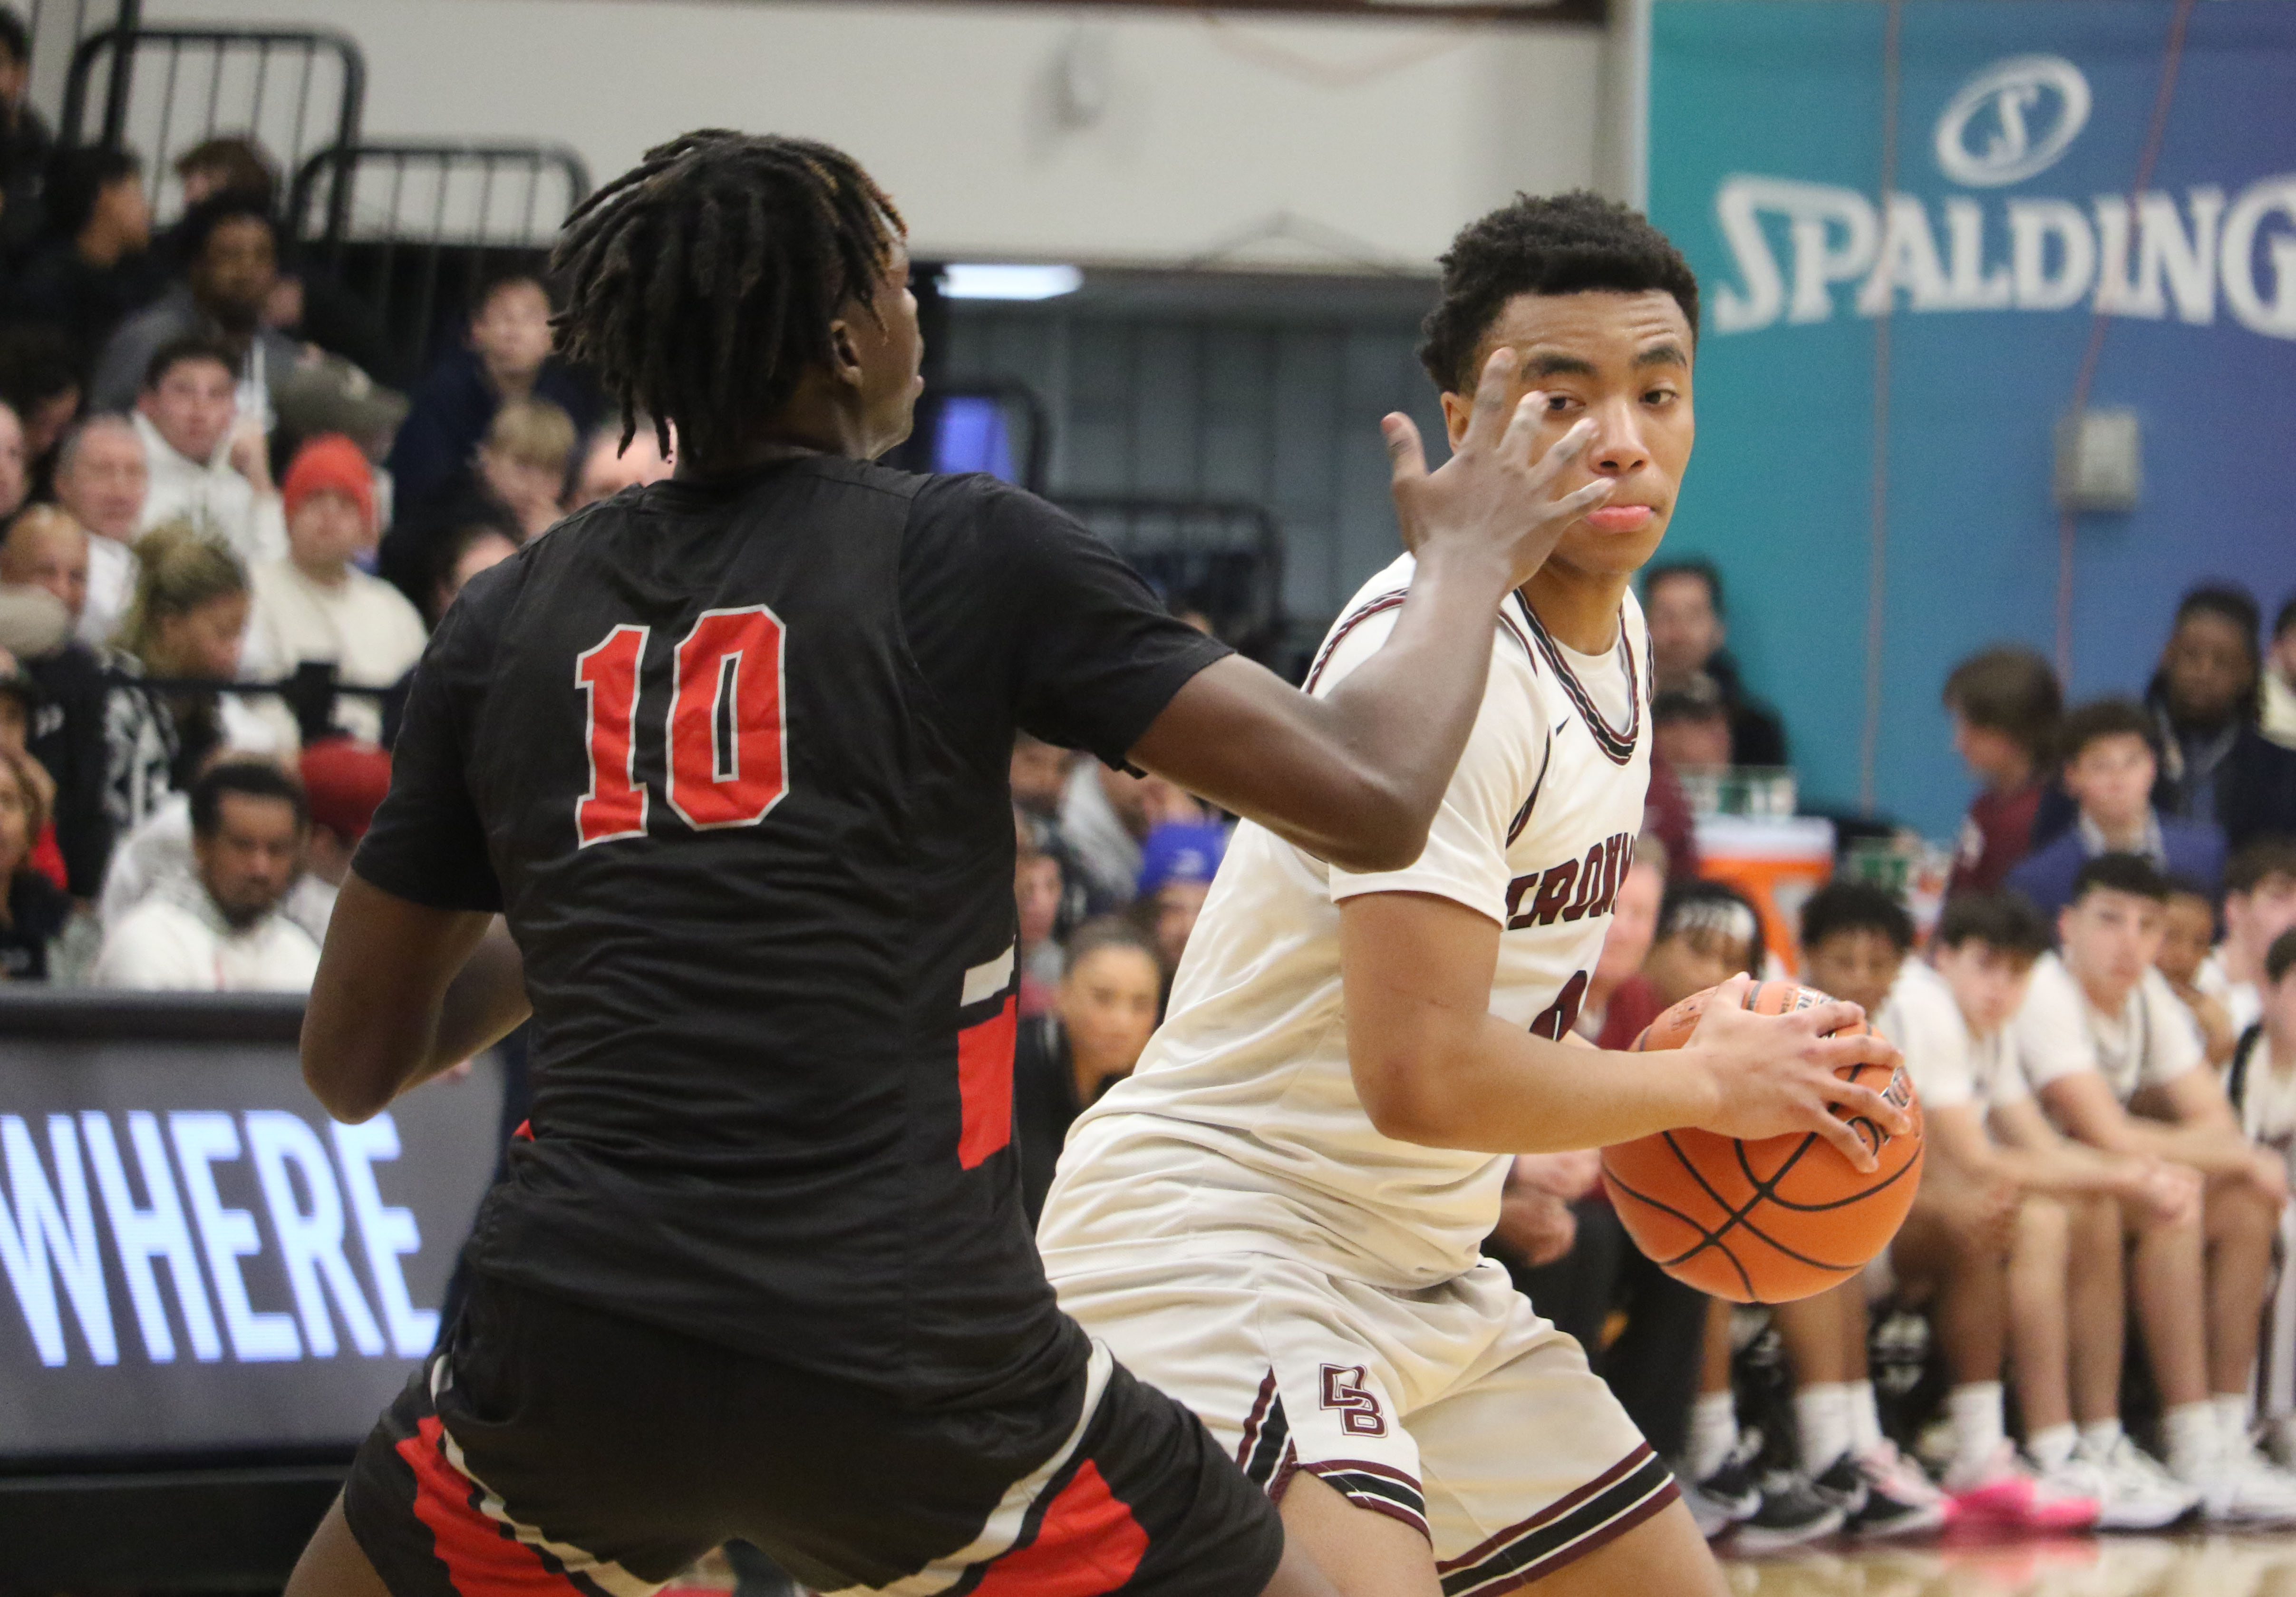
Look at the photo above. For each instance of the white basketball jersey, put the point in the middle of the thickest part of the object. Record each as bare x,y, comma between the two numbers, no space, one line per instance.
1241,1129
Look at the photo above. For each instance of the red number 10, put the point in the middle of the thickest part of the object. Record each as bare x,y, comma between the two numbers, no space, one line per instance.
728,763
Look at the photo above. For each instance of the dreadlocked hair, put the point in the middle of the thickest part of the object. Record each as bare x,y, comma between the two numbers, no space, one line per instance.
701,283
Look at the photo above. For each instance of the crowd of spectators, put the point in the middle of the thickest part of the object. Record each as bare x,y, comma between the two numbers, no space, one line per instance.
231,511
2100,1020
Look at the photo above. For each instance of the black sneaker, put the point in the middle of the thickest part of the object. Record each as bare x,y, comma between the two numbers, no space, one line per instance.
1894,1497
1727,1496
1792,1513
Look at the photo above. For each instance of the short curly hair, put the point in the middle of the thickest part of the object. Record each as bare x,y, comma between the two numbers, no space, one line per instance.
1544,245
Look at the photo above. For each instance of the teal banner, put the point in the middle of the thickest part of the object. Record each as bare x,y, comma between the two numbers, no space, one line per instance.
2007,232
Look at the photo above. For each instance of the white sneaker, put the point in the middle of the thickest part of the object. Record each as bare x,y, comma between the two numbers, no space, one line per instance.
2135,1493
2241,1486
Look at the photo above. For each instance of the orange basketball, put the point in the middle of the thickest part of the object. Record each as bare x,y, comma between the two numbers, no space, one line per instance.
1763,1222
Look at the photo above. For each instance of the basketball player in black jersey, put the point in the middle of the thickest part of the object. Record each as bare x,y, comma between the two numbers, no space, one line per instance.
727,754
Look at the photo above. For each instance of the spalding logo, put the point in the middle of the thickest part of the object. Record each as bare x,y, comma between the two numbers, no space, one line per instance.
2013,118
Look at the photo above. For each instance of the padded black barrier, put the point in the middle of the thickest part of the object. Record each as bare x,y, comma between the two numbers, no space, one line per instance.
208,1289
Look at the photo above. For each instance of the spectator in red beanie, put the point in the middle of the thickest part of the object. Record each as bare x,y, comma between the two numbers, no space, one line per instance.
344,780
317,605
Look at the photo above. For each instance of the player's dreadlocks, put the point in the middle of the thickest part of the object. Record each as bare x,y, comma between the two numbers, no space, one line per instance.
701,283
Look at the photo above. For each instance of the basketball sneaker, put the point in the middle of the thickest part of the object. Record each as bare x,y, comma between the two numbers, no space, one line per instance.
2003,1491
2240,1486
1730,1495
1881,1494
2136,1492
1792,1513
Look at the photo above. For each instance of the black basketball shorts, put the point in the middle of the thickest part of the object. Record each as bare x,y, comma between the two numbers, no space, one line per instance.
552,1450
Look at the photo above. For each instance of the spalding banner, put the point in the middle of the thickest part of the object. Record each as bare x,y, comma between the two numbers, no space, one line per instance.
2009,228
193,1258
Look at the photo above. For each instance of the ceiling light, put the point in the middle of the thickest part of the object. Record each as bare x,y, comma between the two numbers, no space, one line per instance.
975,280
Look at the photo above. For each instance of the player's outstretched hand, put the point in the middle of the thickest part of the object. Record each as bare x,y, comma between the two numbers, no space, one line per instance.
1493,498
1773,1075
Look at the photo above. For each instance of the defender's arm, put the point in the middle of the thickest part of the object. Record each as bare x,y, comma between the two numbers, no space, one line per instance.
403,992
1433,1066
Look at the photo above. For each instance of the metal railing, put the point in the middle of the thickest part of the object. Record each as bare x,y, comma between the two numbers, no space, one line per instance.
1224,558
413,226
309,693
167,89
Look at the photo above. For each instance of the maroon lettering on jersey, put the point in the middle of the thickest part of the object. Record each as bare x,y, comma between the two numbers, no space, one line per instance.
1590,886
1344,1389
1553,893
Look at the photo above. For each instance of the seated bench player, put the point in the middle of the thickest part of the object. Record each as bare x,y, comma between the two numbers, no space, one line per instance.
2014,1240
2115,1062
2263,1086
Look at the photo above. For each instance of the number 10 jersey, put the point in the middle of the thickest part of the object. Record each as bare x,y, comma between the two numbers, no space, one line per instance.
1242,1106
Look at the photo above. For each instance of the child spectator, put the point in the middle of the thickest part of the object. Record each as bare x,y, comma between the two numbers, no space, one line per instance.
101,478
505,355
2004,706
1105,816
1683,599
1690,725
1177,862
2015,1238
1855,938
1707,931
2216,767
344,782
2278,709
96,268
1101,1022
1627,941
2263,1086
2108,770
2188,925
33,909
2108,1051
248,823
183,419
513,482
316,604
2259,903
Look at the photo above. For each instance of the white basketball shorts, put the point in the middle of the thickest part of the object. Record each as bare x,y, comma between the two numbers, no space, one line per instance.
1455,1408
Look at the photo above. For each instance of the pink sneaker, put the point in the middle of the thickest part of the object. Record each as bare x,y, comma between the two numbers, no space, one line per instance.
2003,1491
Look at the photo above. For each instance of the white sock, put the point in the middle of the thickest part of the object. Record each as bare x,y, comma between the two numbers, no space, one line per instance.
1865,1418
2191,1429
1822,1414
1978,1429
2099,1438
2052,1446
1713,1433
2232,1418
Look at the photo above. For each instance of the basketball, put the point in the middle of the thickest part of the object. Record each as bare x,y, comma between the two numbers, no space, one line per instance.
1769,1221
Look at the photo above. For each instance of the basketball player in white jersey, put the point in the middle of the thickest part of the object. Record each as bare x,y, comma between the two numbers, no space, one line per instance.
1277,1219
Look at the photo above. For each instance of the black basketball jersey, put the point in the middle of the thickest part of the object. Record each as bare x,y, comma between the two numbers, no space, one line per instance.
732,758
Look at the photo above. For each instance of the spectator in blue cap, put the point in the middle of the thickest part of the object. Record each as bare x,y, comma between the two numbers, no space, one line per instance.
1177,861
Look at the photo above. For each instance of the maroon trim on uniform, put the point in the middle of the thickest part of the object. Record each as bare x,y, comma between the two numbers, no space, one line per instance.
1552,1511
1377,607
1522,816
1617,745
1252,1424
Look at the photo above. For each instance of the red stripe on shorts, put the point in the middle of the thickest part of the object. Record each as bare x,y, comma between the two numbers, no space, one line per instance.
482,1560
1088,1544
984,1083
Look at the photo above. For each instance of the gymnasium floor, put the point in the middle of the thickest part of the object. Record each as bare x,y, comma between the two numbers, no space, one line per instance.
2194,1566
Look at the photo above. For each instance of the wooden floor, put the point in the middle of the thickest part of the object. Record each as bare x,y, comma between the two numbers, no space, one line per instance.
2194,1566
